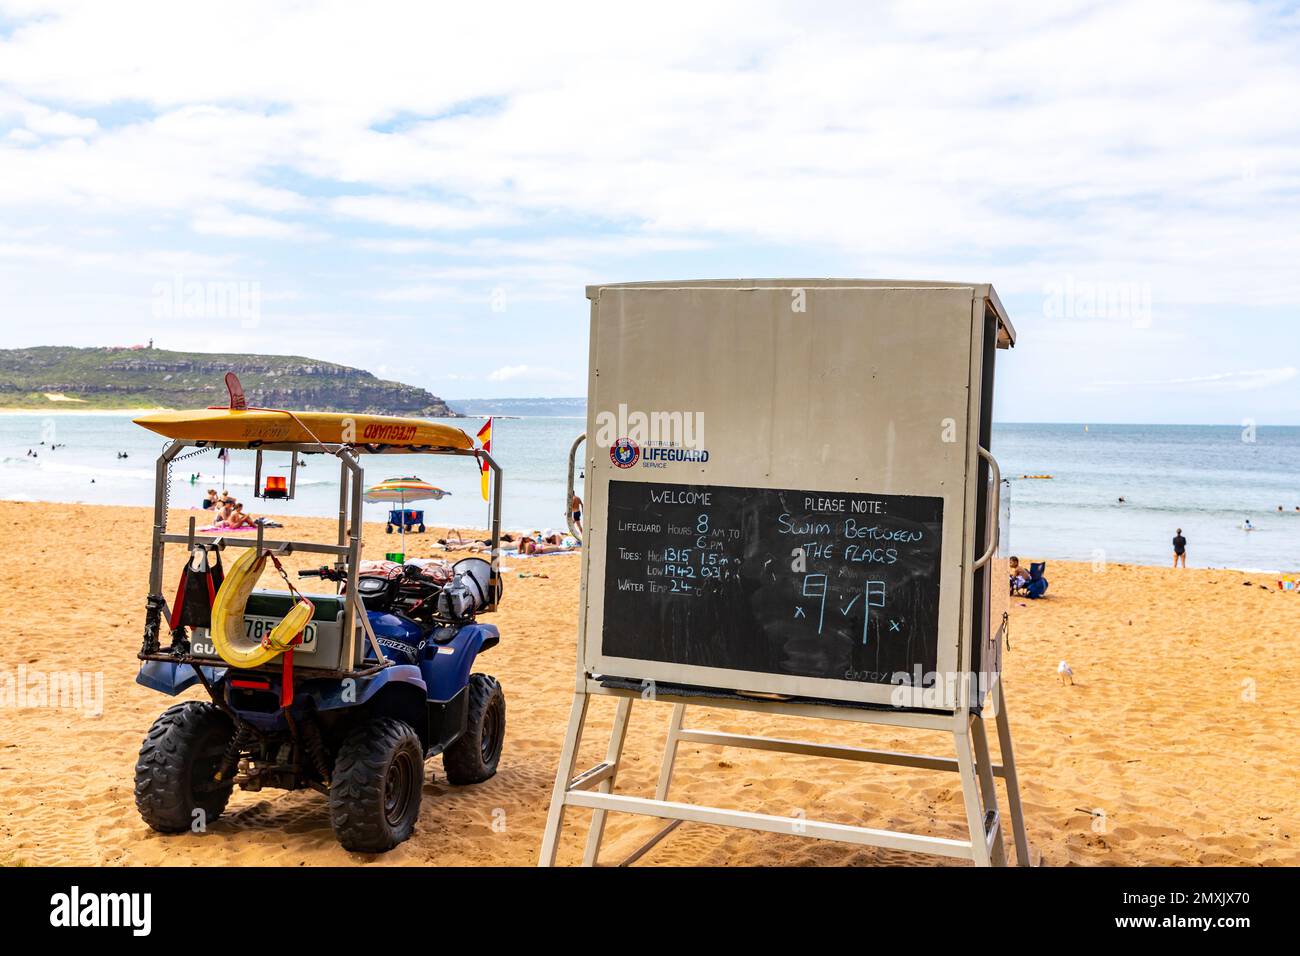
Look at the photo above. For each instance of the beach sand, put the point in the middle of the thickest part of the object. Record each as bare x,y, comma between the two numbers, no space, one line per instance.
1177,744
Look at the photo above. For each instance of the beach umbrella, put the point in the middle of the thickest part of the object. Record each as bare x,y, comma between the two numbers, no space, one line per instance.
401,491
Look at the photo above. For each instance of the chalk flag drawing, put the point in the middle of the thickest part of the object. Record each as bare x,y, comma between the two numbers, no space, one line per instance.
875,592
814,585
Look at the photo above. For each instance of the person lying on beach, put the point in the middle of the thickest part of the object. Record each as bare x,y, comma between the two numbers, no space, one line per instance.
458,542
547,542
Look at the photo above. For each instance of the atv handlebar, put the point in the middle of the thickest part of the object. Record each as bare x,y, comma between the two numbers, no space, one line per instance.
330,574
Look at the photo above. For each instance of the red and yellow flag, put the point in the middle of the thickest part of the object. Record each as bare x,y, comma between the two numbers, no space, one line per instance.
485,440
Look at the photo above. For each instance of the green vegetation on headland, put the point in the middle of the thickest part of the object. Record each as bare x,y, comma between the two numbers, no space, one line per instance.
57,377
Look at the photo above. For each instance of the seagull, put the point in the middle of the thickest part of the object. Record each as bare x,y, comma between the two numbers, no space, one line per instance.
1065,672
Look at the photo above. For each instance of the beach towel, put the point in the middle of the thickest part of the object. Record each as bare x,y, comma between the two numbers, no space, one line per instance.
545,554
246,529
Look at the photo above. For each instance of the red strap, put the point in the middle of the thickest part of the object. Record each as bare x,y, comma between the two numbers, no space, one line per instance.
180,599
286,679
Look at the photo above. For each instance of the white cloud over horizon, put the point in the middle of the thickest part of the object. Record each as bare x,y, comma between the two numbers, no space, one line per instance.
431,168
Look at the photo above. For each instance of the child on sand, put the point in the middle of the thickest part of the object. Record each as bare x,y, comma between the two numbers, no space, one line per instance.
1019,575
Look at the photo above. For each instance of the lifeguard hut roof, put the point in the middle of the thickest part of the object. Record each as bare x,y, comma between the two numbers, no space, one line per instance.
982,290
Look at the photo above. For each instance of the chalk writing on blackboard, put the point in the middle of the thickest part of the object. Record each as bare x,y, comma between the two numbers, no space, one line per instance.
702,575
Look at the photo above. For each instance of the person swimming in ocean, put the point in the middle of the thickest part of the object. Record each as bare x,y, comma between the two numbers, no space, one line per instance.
1247,526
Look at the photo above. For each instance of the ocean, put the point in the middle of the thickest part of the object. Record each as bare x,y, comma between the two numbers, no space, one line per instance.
1207,480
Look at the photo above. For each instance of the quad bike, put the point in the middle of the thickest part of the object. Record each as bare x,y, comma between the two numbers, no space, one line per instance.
374,679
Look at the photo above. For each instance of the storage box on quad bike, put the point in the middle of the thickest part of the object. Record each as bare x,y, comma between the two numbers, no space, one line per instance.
788,489
323,644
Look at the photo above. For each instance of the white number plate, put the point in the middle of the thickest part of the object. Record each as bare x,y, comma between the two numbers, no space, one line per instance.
255,628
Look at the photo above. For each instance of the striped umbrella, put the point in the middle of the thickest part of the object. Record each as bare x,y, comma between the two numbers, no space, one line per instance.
402,490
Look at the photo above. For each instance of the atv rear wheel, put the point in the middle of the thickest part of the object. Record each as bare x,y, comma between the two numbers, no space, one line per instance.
175,789
474,756
375,791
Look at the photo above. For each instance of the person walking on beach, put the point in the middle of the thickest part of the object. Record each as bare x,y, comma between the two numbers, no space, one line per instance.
1180,548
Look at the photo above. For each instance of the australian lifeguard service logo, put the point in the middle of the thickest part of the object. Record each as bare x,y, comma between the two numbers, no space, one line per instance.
624,453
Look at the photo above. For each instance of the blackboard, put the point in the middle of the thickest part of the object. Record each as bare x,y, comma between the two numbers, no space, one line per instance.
843,586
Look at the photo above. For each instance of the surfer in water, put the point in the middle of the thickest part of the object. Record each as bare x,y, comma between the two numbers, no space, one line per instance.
1247,526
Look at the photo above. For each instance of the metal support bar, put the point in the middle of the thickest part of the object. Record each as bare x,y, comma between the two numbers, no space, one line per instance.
1013,781
807,749
590,778
971,798
370,631
593,789
568,757
353,658
494,533
670,752
996,510
568,500
617,737
989,791
269,544
651,843
798,826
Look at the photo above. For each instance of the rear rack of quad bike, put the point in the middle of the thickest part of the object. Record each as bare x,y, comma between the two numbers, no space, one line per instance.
350,661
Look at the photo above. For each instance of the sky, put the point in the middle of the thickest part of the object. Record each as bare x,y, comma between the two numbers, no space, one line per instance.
424,190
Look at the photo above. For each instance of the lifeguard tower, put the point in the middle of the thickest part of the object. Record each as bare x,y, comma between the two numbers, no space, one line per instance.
792,507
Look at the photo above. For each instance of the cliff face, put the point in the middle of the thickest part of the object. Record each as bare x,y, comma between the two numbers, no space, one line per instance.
151,378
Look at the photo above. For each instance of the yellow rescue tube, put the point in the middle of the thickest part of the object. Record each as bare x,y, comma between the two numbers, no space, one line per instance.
228,633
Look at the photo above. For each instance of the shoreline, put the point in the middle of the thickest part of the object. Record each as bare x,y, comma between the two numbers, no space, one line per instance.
64,408
1050,559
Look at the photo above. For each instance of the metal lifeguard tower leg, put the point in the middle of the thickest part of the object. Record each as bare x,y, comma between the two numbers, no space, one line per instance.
593,788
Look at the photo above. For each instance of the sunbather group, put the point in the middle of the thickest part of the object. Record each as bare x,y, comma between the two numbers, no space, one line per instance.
544,542
534,542
227,512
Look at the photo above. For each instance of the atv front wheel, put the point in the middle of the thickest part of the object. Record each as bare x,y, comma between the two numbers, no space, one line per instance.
474,756
375,791
175,789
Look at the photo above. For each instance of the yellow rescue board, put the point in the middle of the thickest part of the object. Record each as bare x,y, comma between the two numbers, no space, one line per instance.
251,425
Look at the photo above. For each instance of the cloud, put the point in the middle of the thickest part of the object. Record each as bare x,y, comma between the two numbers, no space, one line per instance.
418,293
1248,381
419,213
530,374
894,139
1132,144
223,222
